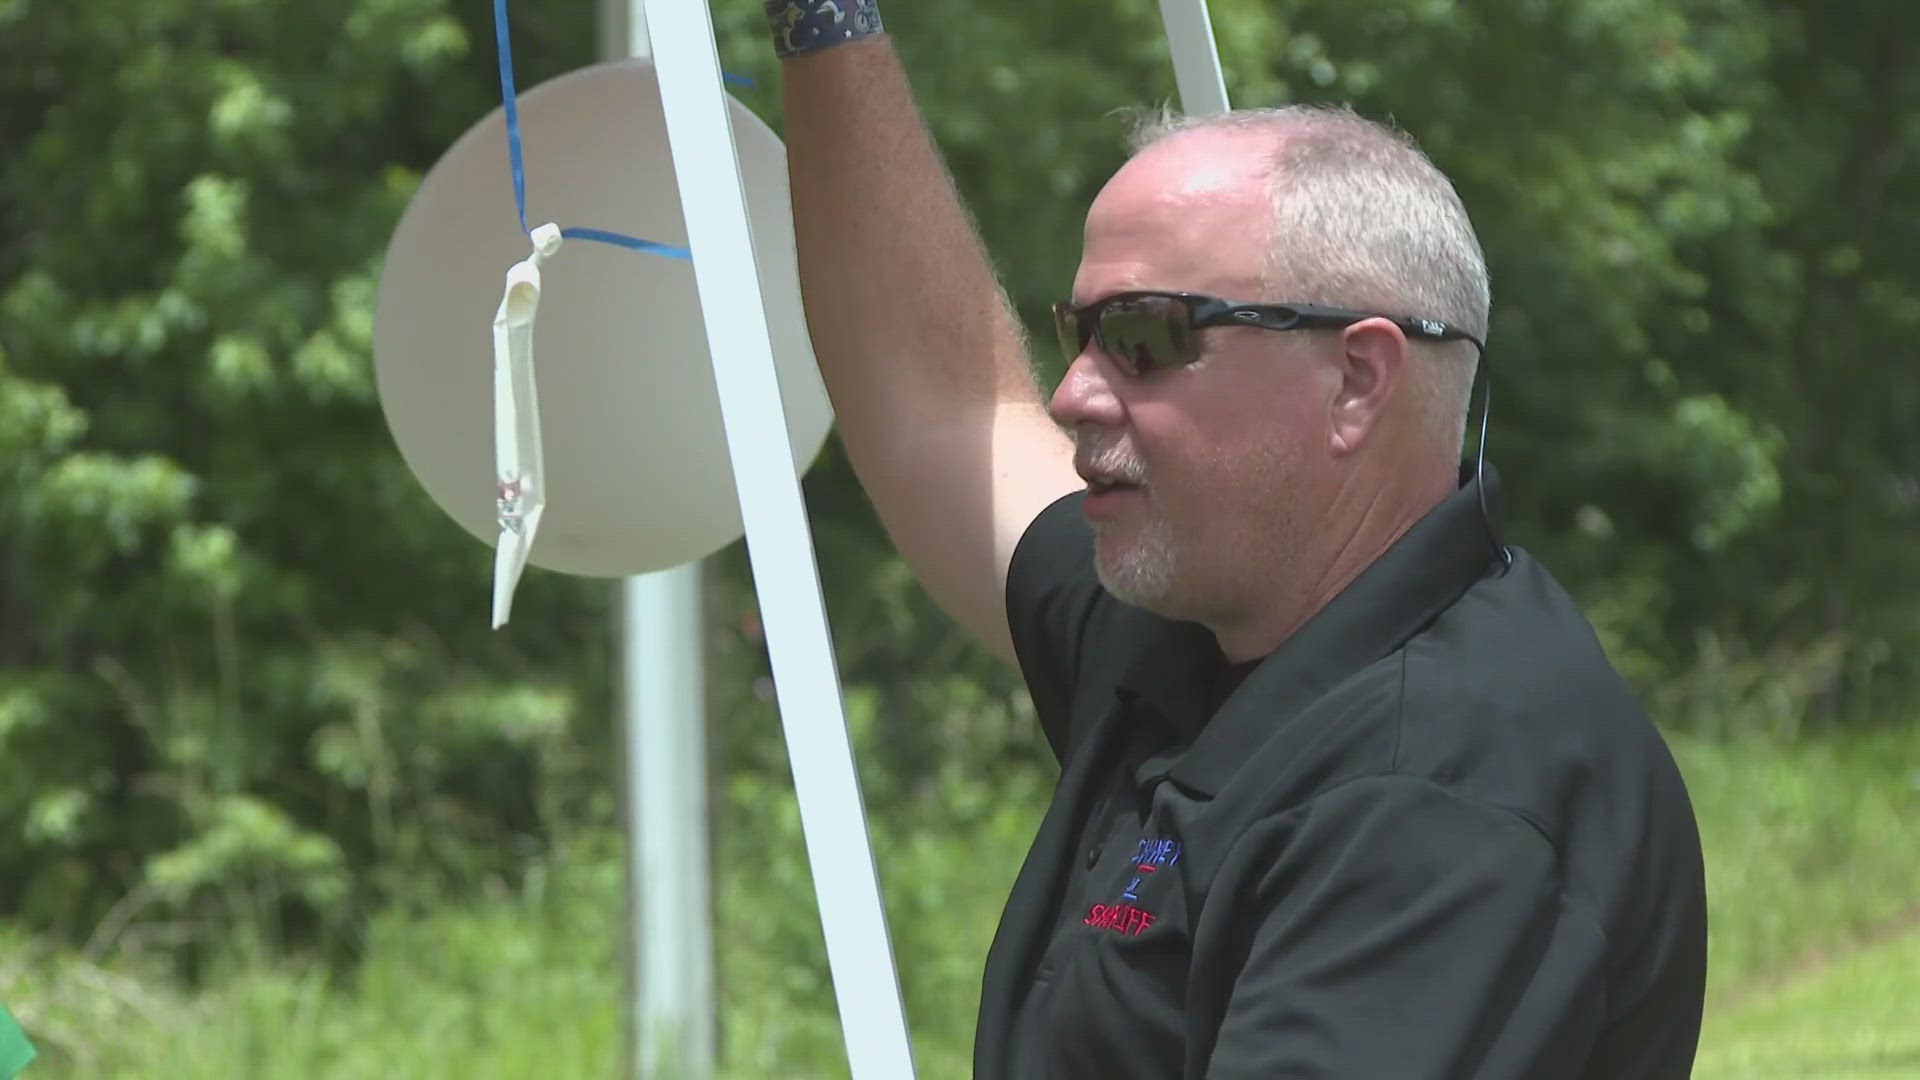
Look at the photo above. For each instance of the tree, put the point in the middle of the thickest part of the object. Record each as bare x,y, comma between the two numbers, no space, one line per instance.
244,661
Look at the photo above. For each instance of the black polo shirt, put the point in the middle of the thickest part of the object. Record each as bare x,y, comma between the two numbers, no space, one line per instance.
1433,835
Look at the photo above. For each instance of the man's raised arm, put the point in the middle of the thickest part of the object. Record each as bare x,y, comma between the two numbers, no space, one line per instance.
921,354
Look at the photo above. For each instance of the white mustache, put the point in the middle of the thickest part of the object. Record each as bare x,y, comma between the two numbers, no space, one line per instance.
1112,463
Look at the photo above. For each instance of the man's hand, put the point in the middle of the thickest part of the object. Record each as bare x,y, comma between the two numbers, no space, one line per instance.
922,356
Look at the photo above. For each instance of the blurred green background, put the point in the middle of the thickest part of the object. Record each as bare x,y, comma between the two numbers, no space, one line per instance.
275,803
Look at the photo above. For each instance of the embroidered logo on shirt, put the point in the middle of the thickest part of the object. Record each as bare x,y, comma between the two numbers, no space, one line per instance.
1152,856
1120,918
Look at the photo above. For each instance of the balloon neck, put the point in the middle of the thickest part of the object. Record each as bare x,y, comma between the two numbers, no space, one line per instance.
522,298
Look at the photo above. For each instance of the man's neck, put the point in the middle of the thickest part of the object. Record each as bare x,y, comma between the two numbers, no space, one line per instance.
1362,522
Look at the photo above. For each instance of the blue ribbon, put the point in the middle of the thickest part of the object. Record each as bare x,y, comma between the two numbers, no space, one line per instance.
509,97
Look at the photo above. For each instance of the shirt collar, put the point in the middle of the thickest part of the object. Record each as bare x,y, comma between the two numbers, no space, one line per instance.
1416,579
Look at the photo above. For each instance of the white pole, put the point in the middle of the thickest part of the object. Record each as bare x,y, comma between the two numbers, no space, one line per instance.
1196,63
663,735
623,30
786,579
670,936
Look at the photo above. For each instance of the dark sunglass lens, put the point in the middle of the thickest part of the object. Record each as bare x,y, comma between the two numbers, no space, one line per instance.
1146,334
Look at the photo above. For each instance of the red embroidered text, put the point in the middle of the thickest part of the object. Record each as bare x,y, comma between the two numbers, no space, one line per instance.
1120,918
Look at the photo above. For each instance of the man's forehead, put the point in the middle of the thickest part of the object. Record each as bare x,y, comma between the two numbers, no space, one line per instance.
1197,166
1190,212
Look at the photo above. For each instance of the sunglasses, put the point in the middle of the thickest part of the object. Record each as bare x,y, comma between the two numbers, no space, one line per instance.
1145,332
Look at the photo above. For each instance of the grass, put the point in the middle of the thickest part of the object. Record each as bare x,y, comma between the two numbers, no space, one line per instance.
530,983
1810,848
1857,1018
518,985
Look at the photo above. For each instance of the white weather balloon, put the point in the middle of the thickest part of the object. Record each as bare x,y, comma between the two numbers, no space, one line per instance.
637,472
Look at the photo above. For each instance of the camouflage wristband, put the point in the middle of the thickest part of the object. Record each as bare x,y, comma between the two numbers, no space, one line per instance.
804,26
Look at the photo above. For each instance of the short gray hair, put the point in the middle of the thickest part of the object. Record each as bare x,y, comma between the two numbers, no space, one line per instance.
1364,219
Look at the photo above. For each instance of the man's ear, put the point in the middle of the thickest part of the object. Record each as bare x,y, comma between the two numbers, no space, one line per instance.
1373,368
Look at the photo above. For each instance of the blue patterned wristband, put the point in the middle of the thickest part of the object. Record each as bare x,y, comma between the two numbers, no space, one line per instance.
804,26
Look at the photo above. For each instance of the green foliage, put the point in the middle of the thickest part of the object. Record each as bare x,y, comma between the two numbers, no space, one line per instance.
1808,855
526,978
243,668
946,857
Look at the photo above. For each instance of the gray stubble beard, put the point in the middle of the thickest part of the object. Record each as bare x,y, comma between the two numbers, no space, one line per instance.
1144,575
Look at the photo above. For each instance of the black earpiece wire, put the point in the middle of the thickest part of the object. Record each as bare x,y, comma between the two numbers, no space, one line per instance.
1500,549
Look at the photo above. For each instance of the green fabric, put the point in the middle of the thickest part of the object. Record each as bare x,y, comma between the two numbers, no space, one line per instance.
15,1051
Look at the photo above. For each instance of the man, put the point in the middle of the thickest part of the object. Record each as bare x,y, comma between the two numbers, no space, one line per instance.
1348,788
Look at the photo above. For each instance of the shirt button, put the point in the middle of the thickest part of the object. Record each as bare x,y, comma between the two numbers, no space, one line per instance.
1093,855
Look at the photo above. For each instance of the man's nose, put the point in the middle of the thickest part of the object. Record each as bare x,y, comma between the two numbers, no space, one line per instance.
1086,395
